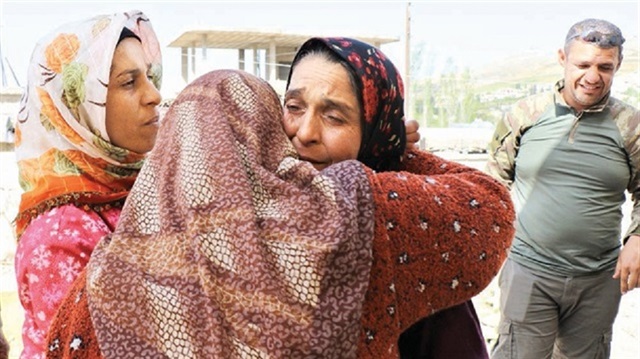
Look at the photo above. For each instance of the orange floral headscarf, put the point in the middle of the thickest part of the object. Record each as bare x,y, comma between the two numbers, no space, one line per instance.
62,147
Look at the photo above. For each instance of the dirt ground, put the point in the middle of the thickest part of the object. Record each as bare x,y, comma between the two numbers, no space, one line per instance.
12,316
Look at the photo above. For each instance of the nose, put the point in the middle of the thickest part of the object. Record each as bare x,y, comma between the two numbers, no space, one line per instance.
309,128
592,75
152,95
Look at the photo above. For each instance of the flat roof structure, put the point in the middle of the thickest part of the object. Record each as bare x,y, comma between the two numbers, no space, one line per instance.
247,39
270,50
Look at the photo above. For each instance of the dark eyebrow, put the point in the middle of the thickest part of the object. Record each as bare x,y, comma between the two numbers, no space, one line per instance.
338,105
293,93
327,103
132,72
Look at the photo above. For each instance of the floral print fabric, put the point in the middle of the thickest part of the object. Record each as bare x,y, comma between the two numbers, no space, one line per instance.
62,147
51,253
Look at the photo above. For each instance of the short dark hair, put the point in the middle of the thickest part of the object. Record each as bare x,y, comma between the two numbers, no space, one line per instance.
600,33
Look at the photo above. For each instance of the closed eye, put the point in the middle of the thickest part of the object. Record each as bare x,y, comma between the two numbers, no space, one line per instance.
336,120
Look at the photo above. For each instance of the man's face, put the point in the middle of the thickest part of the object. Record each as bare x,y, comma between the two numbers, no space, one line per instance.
588,73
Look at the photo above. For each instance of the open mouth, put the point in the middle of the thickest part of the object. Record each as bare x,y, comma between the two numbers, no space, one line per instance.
590,88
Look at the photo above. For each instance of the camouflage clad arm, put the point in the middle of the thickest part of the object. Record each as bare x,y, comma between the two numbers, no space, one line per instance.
502,151
629,124
505,142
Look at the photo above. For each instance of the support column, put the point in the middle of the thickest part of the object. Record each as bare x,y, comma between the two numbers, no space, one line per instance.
184,63
192,58
204,47
408,107
271,76
256,62
242,65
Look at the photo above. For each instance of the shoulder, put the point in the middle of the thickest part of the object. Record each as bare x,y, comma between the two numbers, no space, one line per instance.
626,117
57,215
622,111
414,156
64,220
526,111
537,103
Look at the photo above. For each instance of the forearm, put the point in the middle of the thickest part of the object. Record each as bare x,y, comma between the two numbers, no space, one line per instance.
634,226
418,161
439,238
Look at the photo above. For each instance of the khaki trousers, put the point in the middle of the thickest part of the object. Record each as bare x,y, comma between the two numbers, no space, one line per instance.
546,316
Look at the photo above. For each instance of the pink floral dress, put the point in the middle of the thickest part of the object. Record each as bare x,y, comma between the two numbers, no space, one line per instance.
51,253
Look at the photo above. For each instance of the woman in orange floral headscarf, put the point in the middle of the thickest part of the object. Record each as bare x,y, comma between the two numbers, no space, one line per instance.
87,118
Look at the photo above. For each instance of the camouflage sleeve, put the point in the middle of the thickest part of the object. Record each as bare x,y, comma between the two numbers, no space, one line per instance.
505,142
502,151
630,130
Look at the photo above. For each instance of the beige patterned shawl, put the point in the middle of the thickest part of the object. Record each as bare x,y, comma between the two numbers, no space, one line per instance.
228,246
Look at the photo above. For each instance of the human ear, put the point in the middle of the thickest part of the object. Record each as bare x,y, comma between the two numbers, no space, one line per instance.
562,57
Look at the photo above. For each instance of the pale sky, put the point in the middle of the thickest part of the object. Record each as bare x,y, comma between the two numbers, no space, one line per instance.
473,33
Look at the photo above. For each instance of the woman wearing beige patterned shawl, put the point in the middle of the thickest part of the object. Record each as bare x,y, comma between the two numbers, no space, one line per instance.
441,233
228,246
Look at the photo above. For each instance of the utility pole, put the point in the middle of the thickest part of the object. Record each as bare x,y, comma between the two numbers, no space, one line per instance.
4,59
4,74
407,61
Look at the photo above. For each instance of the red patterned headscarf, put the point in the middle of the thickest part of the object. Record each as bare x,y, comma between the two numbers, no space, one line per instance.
381,94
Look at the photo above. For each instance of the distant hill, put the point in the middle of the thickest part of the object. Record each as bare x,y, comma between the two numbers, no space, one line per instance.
538,68
500,84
